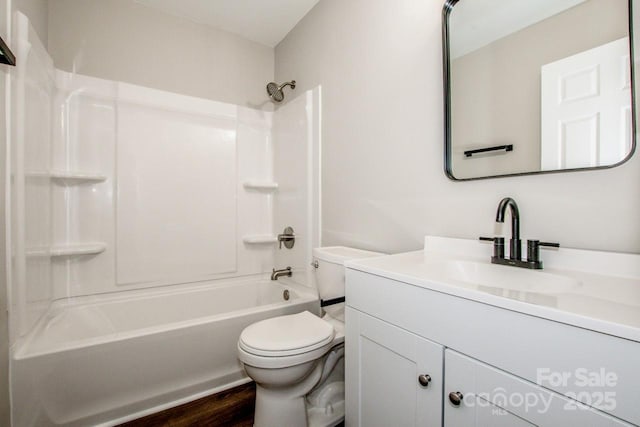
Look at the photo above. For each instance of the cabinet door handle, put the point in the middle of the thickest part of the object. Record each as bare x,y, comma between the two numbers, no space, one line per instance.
424,380
455,397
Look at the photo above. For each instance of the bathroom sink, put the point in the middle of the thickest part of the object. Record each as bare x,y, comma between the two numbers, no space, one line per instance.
595,290
486,275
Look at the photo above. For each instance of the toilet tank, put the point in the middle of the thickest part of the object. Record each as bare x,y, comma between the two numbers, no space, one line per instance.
329,271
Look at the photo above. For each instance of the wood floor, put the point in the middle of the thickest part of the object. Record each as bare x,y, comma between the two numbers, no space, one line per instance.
231,408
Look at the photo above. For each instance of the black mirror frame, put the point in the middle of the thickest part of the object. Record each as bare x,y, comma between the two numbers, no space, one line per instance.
6,56
446,12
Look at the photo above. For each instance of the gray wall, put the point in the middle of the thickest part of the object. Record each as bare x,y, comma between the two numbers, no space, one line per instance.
38,13
496,89
379,63
126,41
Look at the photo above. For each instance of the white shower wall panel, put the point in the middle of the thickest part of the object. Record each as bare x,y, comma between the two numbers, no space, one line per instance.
83,214
85,132
83,211
176,210
171,208
296,131
84,136
255,207
38,89
33,87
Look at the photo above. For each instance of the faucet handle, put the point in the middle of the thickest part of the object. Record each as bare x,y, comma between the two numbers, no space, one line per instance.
548,244
498,245
533,249
288,237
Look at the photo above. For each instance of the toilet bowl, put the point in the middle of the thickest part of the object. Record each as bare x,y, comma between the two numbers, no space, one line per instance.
297,361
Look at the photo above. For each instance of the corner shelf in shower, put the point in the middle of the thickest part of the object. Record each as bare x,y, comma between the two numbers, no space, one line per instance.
78,249
37,252
76,178
261,185
259,239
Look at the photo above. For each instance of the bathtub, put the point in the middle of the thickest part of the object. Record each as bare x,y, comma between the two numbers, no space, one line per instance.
103,360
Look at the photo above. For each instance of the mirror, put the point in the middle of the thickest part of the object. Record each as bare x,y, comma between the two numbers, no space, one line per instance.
536,86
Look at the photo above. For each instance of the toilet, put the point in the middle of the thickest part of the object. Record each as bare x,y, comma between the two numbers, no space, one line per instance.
297,361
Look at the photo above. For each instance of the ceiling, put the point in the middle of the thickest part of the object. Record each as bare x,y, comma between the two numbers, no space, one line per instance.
263,21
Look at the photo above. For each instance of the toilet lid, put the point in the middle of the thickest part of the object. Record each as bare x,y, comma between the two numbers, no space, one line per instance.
286,335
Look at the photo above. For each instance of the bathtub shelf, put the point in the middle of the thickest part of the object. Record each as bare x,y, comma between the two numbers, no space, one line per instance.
40,252
260,185
260,239
66,250
79,249
76,178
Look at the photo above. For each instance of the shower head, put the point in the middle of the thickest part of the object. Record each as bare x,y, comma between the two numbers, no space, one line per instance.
275,91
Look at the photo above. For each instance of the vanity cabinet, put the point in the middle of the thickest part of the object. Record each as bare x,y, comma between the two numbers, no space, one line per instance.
397,331
394,376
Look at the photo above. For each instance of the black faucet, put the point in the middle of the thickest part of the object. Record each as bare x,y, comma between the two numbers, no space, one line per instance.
515,244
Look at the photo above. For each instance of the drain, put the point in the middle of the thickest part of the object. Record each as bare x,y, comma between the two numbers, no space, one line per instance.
286,295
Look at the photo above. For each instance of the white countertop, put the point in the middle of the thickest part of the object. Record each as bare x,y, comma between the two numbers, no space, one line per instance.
606,297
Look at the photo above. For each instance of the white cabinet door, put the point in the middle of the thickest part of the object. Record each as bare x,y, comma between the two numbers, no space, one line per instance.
489,397
586,108
383,368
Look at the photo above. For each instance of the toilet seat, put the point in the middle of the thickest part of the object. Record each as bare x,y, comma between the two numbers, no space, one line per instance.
278,362
290,335
286,341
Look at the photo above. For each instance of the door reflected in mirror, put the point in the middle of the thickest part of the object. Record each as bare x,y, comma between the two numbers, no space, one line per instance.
537,86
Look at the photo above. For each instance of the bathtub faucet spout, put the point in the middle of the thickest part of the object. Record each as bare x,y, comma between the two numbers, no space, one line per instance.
278,273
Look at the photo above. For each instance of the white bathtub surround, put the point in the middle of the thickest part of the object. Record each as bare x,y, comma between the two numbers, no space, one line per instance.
155,145
119,188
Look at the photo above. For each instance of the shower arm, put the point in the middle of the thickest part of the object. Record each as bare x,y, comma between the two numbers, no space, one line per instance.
292,83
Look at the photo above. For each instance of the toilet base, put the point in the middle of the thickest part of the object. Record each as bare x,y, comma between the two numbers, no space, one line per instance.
274,411
328,410
317,418
322,407
295,412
